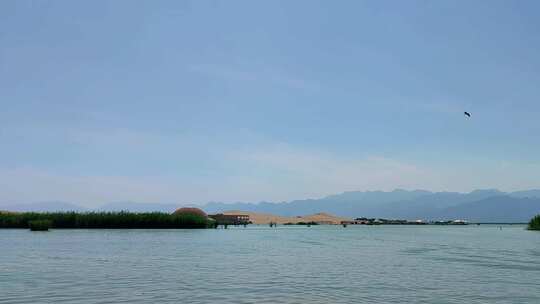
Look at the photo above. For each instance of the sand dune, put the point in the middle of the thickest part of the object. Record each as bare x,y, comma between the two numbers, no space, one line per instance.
265,218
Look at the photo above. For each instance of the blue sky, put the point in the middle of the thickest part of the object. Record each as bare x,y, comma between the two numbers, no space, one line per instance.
192,101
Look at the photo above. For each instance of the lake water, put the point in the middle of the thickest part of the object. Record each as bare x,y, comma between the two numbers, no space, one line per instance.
321,264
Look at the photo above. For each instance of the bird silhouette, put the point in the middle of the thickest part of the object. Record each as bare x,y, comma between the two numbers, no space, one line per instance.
467,114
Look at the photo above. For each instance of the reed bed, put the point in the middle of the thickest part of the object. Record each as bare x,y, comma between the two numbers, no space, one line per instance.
534,224
105,220
40,225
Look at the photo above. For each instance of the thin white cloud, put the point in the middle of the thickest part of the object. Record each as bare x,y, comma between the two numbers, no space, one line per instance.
274,172
300,173
25,185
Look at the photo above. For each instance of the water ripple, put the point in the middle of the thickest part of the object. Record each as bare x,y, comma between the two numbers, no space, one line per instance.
263,265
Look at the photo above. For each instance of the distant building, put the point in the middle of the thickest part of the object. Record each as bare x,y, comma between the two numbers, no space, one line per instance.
456,222
230,219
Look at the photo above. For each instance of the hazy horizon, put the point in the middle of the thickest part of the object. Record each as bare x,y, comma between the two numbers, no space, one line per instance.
179,101
202,203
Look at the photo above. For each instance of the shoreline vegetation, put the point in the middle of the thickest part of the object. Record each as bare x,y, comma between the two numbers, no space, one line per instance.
103,220
190,218
380,221
302,223
40,225
534,224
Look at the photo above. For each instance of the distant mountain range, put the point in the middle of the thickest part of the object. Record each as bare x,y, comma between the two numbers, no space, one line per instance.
479,206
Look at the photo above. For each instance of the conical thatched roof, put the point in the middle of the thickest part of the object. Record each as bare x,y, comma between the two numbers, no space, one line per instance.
191,211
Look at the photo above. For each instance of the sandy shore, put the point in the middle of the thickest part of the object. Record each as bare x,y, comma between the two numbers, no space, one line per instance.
265,218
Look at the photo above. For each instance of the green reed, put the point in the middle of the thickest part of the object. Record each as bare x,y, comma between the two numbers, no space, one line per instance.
534,224
105,220
39,225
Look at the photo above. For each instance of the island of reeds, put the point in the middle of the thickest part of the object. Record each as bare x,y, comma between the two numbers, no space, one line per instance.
103,220
534,223
39,225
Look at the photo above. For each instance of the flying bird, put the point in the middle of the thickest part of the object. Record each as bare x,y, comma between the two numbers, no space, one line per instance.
467,114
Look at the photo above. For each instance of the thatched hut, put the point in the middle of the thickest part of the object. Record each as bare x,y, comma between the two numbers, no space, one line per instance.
190,211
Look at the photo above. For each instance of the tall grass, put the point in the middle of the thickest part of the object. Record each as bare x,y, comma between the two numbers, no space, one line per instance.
105,220
40,225
534,224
